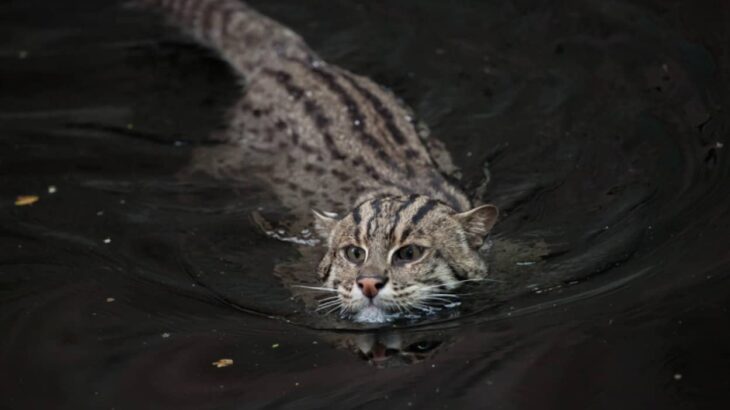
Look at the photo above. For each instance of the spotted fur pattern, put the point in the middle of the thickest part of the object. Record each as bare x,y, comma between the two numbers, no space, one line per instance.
325,138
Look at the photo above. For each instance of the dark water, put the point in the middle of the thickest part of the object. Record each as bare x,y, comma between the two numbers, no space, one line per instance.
603,126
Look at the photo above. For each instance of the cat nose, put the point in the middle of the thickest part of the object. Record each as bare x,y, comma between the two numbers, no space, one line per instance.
370,285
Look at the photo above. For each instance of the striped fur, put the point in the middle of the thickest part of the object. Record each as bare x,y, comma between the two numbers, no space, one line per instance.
384,225
325,138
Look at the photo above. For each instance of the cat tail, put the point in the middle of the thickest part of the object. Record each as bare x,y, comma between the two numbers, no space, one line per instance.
243,37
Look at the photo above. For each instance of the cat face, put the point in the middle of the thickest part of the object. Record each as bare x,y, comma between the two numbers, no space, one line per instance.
401,254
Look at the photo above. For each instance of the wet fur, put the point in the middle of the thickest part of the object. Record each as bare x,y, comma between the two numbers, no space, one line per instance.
322,137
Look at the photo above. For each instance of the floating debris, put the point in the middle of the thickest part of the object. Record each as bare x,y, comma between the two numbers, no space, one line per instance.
275,346
22,54
110,300
165,335
223,363
107,240
52,189
23,200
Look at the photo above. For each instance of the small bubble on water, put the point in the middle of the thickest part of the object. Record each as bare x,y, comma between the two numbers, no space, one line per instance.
677,376
108,240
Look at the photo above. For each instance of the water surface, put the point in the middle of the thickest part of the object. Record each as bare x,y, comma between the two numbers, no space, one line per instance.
599,128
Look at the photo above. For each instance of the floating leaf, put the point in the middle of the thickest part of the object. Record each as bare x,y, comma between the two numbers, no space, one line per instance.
222,363
23,200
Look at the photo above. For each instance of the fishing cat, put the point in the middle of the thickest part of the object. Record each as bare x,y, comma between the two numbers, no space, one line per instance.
399,235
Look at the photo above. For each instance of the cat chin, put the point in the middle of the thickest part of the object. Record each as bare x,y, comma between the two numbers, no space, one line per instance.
371,314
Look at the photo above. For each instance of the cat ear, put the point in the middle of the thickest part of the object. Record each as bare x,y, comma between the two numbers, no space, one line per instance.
477,223
324,222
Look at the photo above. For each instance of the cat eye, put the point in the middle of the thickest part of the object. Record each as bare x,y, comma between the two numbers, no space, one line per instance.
355,254
408,253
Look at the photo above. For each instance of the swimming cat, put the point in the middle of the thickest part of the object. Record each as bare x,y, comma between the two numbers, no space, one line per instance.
399,236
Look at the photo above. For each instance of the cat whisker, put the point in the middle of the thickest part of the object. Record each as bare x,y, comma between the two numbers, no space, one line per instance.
416,305
439,295
334,309
319,288
328,299
479,280
395,304
328,305
443,301
325,302
345,310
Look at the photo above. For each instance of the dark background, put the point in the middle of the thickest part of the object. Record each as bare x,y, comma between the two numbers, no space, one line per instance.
604,127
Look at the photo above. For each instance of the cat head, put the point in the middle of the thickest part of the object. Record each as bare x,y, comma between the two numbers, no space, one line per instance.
401,254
